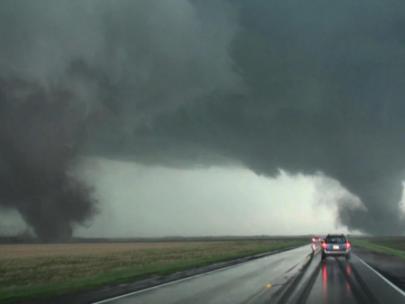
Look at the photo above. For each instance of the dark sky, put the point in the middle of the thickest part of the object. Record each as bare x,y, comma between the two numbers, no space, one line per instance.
301,86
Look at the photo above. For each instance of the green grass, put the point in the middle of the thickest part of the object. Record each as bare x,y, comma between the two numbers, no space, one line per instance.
41,276
386,246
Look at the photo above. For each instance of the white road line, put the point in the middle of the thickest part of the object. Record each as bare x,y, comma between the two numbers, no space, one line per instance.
169,283
185,279
156,287
383,278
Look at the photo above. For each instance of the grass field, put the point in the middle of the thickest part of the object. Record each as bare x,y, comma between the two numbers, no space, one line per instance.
39,271
389,245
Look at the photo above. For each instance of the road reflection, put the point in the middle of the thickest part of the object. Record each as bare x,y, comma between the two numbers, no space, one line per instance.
334,274
324,282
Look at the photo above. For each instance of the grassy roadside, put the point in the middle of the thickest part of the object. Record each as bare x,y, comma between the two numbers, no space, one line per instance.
44,271
390,247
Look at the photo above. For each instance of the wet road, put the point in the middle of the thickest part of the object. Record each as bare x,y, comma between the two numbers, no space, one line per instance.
334,283
350,281
334,280
242,283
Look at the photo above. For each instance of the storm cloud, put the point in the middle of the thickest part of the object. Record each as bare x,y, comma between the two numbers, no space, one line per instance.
305,87
324,93
74,69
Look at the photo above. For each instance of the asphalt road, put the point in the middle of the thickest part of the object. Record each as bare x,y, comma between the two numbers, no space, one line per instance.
241,283
337,280
264,280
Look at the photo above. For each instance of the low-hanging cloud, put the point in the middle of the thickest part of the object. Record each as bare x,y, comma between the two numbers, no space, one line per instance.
74,69
309,87
324,94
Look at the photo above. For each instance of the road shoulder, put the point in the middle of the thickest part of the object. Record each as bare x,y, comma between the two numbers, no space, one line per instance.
391,267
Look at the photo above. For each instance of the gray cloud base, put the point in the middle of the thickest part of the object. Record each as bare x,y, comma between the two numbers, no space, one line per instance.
300,86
